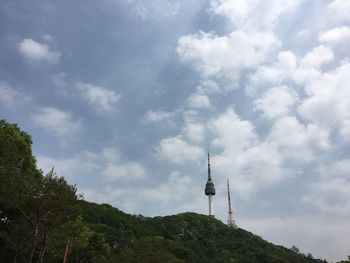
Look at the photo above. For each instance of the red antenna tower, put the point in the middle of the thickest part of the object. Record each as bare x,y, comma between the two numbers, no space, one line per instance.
230,221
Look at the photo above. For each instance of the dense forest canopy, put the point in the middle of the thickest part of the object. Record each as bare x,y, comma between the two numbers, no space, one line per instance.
41,216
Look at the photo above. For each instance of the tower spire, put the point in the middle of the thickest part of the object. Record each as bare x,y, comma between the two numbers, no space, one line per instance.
209,173
230,221
210,189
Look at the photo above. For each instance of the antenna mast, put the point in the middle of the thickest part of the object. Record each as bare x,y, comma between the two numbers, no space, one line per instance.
230,221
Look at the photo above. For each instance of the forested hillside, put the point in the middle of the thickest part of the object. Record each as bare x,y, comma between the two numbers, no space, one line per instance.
42,215
186,237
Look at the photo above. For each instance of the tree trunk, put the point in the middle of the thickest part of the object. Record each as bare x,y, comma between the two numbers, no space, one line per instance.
45,238
34,243
66,253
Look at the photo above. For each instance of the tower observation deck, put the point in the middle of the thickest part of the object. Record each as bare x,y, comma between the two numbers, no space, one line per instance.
210,189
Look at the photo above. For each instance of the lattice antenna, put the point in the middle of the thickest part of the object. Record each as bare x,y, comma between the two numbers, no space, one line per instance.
230,221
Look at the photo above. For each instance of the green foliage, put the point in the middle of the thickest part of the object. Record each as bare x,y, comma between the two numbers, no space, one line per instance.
95,250
186,237
18,173
18,182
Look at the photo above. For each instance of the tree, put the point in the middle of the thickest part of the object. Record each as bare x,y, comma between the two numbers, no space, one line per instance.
31,205
295,249
18,180
54,204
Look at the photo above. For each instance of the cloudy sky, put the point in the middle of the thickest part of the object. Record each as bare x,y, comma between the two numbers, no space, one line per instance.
125,97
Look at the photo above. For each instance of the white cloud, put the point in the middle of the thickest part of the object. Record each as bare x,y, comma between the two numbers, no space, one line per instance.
106,165
100,98
309,66
59,123
243,154
72,168
242,157
317,57
345,130
251,169
126,171
208,86
330,195
167,192
198,101
36,52
8,96
340,168
194,131
159,116
154,9
178,151
283,68
340,9
276,102
249,44
328,99
226,56
302,76
288,67
117,170
167,195
303,34
252,13
232,133
298,141
335,35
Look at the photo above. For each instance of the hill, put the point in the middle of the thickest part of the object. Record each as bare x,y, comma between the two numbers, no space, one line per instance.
185,237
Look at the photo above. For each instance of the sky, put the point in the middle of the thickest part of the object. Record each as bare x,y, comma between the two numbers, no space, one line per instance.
125,97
